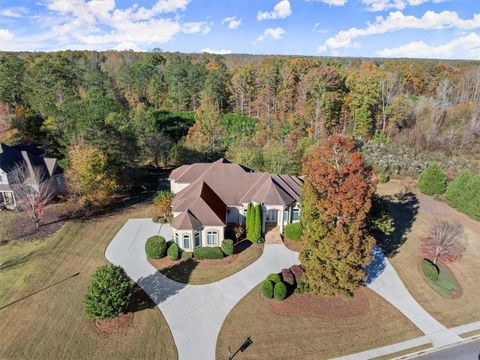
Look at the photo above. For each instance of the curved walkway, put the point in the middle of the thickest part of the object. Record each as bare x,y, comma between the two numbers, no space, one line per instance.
195,313
384,280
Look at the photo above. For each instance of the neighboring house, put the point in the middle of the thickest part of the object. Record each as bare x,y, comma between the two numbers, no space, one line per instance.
209,196
27,157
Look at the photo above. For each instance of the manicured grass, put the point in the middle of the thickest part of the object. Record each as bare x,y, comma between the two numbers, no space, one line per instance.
277,336
207,271
446,284
42,314
403,247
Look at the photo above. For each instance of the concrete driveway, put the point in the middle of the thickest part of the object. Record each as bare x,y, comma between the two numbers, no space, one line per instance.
195,313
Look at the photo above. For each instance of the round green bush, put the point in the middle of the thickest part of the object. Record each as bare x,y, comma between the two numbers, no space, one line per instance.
227,247
463,193
432,181
155,247
172,252
203,253
109,292
280,291
267,289
187,255
275,278
384,177
430,270
293,231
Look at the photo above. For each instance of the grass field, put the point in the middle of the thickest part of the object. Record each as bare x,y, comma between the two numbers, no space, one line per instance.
207,271
41,298
278,336
415,223
446,284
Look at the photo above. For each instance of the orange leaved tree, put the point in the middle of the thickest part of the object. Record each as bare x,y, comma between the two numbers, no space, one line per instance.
336,199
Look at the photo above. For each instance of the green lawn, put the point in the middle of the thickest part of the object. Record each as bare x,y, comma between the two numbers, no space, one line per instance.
207,271
41,298
446,284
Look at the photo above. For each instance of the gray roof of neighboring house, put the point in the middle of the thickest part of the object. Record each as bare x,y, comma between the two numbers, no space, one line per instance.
216,185
12,157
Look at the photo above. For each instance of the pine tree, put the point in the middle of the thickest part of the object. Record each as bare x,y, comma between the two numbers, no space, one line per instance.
432,180
336,199
257,223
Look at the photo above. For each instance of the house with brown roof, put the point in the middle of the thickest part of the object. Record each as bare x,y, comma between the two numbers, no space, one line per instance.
211,196
31,159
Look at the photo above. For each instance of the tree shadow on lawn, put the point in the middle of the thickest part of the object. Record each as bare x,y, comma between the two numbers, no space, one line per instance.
159,287
180,271
403,209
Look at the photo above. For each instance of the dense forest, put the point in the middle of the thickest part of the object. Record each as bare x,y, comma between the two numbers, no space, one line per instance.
162,109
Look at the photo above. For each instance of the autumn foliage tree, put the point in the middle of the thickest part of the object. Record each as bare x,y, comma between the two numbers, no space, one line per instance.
337,197
163,202
89,179
445,241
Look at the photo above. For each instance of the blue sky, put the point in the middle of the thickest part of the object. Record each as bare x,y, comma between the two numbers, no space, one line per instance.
372,28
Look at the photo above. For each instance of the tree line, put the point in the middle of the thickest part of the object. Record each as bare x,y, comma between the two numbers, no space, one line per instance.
263,111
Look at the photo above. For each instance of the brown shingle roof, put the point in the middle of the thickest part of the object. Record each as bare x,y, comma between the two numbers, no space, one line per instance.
186,221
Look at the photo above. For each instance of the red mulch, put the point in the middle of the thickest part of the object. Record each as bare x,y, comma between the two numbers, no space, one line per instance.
115,325
321,306
296,246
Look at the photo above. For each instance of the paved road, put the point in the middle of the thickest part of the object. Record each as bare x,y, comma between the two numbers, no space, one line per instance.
195,313
465,351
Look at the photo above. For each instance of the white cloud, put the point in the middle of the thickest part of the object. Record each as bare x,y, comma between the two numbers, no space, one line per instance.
15,12
280,11
381,5
397,21
6,34
219,52
467,46
275,33
232,22
332,2
318,29
196,27
100,24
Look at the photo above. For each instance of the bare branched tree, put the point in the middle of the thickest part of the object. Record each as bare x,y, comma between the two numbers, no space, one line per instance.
445,241
34,189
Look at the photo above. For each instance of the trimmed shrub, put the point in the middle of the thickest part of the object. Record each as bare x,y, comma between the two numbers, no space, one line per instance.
463,193
187,255
275,278
172,252
288,277
227,247
249,222
298,273
155,247
203,253
280,291
430,270
293,231
109,292
301,288
257,223
267,289
432,181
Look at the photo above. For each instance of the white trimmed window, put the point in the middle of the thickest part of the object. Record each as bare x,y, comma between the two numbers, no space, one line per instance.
212,237
197,241
186,241
295,215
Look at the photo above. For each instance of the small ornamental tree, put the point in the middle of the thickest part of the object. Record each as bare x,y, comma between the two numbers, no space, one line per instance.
238,230
163,202
249,221
445,242
432,181
109,292
257,223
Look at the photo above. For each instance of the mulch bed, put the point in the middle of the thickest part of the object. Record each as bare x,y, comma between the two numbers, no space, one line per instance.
321,306
116,324
296,246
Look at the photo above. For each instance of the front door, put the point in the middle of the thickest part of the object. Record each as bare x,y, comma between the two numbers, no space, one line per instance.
271,216
9,201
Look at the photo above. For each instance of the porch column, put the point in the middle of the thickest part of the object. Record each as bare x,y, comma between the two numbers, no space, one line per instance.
281,219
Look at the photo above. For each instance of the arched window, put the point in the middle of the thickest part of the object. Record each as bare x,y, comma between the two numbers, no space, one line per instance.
186,241
212,237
